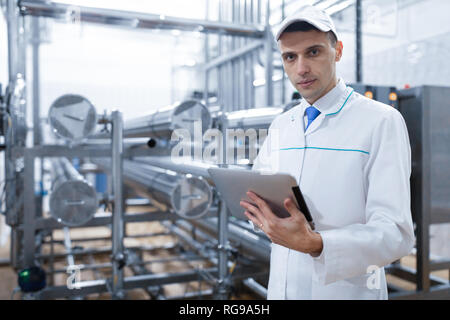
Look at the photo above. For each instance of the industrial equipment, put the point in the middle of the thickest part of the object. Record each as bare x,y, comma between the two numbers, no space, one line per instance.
259,118
137,153
189,115
426,111
72,117
73,201
189,196
384,94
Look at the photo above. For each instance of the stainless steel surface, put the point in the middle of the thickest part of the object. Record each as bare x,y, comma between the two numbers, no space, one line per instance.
190,197
248,242
222,230
426,111
73,201
189,115
68,246
235,60
35,43
29,219
259,118
137,19
132,282
72,117
117,232
162,122
15,131
222,59
183,165
256,287
15,135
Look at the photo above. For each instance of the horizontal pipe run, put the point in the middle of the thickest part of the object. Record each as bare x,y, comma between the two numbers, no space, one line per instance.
136,20
108,265
103,219
167,246
256,287
87,150
234,55
248,242
147,235
181,165
189,197
191,295
142,281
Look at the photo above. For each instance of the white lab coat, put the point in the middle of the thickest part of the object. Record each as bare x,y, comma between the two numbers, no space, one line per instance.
353,166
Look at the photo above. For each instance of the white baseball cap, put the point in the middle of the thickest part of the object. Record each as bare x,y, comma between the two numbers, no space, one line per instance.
316,17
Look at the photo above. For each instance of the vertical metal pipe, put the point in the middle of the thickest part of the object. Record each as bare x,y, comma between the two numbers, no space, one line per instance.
423,218
206,57
16,248
51,262
29,210
246,71
358,42
22,240
21,61
269,59
223,257
219,52
68,245
229,81
118,257
252,62
35,42
16,123
240,68
10,168
258,12
12,22
234,63
230,87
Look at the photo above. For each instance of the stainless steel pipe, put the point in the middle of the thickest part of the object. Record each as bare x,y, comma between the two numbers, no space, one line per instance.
190,115
182,165
136,20
190,197
249,243
73,201
259,118
118,226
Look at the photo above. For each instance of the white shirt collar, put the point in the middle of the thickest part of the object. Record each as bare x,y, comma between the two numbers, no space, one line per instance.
329,99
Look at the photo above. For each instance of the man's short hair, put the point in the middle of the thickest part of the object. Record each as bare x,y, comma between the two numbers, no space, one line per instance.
305,26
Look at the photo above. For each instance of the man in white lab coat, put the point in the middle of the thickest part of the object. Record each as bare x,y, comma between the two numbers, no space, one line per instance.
351,158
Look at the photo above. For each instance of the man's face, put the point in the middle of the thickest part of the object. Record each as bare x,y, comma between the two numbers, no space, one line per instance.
309,60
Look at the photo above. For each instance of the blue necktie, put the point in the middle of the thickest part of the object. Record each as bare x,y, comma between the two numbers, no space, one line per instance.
311,113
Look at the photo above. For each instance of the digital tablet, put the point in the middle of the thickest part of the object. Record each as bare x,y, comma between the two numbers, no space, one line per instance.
233,184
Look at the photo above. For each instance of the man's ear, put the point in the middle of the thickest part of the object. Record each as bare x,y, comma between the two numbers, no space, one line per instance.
339,48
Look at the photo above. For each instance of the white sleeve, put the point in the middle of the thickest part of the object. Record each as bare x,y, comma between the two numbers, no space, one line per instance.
388,232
